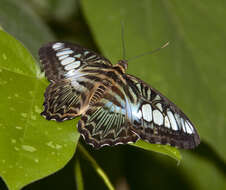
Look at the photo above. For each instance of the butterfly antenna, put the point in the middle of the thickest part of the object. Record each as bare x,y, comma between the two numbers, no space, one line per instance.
149,52
123,41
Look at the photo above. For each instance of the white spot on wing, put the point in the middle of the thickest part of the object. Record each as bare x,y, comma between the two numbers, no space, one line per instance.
118,143
67,60
62,57
73,65
157,117
148,93
188,127
159,106
191,126
183,125
83,136
157,98
167,123
65,49
74,73
57,46
147,112
77,55
178,120
172,120
66,52
91,57
103,145
86,52
138,86
70,73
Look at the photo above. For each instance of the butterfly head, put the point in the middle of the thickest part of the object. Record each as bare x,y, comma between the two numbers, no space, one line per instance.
122,65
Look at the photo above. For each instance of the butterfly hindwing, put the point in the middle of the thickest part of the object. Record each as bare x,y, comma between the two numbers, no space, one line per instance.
63,101
157,120
105,123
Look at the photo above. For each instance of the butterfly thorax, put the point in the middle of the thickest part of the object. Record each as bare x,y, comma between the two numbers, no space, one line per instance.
122,65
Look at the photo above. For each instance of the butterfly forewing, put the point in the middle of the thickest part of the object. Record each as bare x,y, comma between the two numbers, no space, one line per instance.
157,120
116,108
66,67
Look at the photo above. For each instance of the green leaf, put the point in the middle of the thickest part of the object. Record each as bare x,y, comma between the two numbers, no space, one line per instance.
163,149
190,72
30,147
18,19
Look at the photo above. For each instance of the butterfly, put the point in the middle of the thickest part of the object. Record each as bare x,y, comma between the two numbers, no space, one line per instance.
115,107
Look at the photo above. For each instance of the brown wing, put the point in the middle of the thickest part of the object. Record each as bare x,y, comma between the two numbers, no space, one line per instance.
59,59
157,120
105,122
65,66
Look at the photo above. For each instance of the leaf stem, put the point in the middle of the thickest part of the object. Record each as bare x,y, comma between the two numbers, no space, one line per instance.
98,169
78,175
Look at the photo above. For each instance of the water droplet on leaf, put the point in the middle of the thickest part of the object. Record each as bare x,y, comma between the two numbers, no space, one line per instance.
37,160
23,114
16,148
4,56
33,116
29,148
19,128
37,109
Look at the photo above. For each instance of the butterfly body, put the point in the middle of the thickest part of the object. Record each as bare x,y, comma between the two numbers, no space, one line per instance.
116,108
